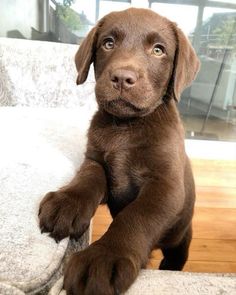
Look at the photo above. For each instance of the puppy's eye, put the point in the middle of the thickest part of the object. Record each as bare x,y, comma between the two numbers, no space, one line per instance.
108,44
158,50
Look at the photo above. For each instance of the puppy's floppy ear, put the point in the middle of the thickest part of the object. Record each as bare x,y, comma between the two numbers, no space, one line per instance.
84,56
186,64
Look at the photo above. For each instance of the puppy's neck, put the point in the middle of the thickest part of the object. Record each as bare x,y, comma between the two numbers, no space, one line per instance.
165,113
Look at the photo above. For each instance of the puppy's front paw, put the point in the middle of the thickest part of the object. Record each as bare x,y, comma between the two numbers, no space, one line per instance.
99,270
61,215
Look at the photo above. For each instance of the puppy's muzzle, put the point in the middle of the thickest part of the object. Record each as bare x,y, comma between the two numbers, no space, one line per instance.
123,79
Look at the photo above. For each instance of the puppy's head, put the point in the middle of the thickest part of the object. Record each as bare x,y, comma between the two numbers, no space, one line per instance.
139,58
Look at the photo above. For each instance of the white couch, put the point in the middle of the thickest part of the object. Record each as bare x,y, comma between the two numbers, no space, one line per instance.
41,147
43,121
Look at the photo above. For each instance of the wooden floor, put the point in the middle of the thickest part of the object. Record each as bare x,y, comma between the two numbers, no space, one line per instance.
213,248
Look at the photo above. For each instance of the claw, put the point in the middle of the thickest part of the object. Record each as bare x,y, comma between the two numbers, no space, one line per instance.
39,212
55,237
52,236
43,230
74,237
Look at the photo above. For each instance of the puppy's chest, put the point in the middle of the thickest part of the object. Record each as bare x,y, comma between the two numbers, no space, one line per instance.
125,172
122,183
118,170
123,159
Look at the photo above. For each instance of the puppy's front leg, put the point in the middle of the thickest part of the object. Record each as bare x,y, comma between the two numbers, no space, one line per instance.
67,212
110,265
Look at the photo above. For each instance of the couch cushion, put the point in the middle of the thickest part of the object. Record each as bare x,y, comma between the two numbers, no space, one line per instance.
39,152
153,282
39,73
166,282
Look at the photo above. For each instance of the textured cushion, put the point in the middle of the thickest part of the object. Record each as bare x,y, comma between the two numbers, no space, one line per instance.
153,282
36,73
39,152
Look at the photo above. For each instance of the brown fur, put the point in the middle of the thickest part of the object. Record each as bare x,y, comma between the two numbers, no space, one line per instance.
135,160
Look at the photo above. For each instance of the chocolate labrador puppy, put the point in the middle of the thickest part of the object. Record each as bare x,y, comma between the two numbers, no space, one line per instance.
135,160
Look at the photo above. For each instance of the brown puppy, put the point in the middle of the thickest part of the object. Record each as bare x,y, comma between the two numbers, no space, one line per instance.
135,160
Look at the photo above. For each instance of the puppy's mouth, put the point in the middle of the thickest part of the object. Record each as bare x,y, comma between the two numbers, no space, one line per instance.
124,104
122,108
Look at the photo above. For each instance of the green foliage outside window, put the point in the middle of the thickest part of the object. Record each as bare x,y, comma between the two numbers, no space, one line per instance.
68,2
67,15
225,32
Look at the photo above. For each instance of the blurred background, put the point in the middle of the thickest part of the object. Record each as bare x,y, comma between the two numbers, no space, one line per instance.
208,107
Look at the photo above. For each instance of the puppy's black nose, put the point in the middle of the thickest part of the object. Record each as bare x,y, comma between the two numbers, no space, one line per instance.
123,79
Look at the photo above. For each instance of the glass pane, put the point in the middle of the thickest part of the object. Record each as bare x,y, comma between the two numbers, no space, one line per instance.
66,21
86,7
224,1
184,15
108,6
209,105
